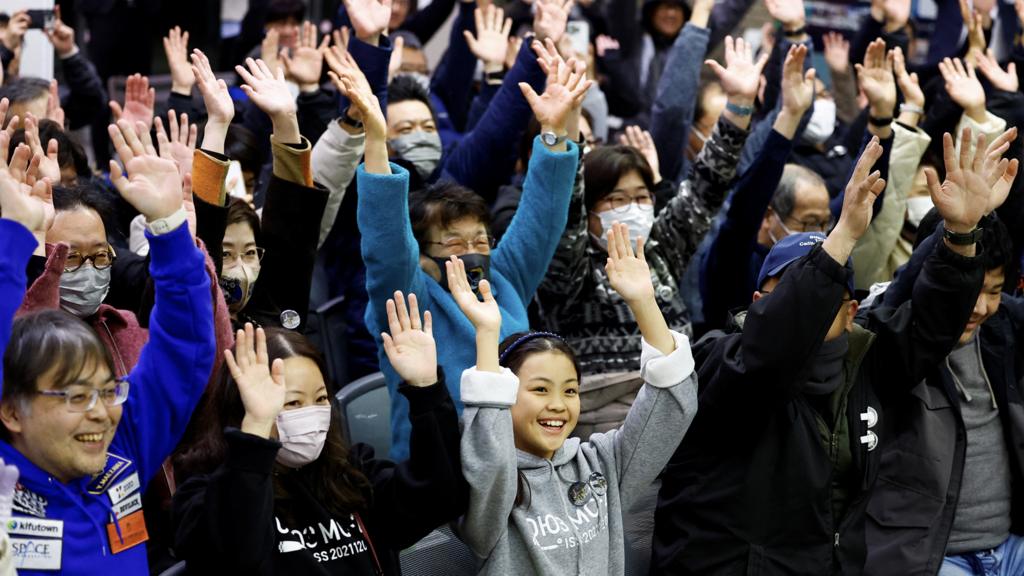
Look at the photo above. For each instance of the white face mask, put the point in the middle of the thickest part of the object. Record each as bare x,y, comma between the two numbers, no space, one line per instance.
302,433
638,218
822,123
917,207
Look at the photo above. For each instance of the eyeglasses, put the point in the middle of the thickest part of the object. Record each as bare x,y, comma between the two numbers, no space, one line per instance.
101,260
580,492
458,246
80,398
808,226
249,256
620,202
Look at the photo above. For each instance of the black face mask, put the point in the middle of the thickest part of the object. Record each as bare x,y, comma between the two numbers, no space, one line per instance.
478,267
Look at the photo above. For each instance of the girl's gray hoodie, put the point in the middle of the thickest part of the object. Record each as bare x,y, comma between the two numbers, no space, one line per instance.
547,533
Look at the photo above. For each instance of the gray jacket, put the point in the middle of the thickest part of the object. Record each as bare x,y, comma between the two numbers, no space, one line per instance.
546,533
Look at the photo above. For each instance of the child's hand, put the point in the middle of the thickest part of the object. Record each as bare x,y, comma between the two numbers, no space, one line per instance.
410,346
485,316
628,273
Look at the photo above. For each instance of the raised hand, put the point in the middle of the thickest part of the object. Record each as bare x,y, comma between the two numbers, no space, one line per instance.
483,313
260,383
963,87
270,48
181,146
550,19
628,272
54,111
269,92
139,101
307,59
410,345
876,79
61,36
641,140
797,85
837,52
351,82
565,89
861,191
963,198
25,196
176,49
894,14
395,62
789,12
741,76
998,171
908,83
153,185
219,107
369,18
1005,80
8,482
973,22
491,41
701,13
13,34
49,166
341,63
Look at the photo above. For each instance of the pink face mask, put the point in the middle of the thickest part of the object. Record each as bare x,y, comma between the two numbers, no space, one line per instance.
302,434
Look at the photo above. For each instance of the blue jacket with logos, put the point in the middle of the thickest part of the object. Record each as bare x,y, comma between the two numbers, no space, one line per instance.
74,528
18,245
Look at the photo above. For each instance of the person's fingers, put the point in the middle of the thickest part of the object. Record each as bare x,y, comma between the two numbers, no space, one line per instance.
978,155
124,151
117,177
193,135
613,244
414,313
389,345
970,71
478,20
506,28
161,138
428,323
261,347
470,40
625,246
250,348
394,326
52,149
233,368
131,138
715,67
966,137
247,78
143,133
531,97
949,153
485,291
402,309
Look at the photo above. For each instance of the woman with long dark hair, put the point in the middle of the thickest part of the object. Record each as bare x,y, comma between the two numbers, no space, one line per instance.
288,495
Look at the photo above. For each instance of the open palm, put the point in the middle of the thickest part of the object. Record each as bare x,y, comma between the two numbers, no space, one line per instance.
410,344
741,75
368,17
628,272
963,197
260,384
483,314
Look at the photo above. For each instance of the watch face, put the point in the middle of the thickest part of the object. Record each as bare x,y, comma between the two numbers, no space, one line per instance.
549,138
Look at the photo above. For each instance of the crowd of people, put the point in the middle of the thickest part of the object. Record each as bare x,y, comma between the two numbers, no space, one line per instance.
638,310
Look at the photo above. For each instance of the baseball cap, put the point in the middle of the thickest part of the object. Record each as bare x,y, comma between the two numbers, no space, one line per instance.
789,250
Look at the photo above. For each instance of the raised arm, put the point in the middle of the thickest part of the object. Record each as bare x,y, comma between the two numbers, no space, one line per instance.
666,405
175,363
532,237
86,96
489,462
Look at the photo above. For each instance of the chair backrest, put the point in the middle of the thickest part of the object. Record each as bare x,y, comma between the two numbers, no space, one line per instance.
366,407
327,330
178,569
441,553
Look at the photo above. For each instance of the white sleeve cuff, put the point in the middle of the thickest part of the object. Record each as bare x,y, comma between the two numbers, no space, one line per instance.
489,388
663,371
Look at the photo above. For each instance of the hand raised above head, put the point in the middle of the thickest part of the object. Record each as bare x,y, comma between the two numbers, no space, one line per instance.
139,101
628,272
410,344
153,185
565,90
260,383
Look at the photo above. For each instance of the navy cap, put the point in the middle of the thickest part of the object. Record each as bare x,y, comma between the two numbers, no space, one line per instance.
789,250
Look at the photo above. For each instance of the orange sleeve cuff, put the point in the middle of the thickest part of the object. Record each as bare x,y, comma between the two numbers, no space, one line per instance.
208,176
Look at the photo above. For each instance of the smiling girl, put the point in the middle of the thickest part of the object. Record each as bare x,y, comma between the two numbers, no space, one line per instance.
541,503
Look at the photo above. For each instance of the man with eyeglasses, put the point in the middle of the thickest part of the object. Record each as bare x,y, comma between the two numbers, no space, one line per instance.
86,438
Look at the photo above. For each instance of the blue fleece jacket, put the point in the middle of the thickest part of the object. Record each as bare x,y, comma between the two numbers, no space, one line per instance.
518,264
69,523
18,245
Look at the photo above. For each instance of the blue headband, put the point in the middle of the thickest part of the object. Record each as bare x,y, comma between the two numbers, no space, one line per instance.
524,339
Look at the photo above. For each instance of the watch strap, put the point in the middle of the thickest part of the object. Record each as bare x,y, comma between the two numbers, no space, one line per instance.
880,122
168,224
739,110
958,239
349,121
552,139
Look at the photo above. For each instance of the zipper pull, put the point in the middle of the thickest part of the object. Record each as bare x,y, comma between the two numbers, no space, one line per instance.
837,540
833,445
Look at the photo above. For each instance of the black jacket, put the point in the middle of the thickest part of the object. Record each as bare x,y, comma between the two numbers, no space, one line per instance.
910,515
750,489
230,523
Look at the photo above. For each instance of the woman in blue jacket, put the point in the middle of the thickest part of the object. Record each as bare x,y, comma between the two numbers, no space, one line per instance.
86,443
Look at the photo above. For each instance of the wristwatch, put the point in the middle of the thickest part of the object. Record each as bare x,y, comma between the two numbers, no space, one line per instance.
551,139
958,239
349,121
168,224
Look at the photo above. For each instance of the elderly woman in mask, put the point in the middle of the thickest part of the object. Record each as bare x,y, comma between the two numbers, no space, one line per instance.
619,186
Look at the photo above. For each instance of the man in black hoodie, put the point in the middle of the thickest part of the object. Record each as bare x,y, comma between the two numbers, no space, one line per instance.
774,474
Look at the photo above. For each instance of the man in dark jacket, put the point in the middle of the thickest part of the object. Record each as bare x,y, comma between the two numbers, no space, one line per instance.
774,475
951,483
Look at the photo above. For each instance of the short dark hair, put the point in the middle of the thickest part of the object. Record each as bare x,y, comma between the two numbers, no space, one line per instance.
603,167
50,340
24,89
242,144
69,152
406,87
332,478
239,211
280,10
996,244
87,196
784,200
443,203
